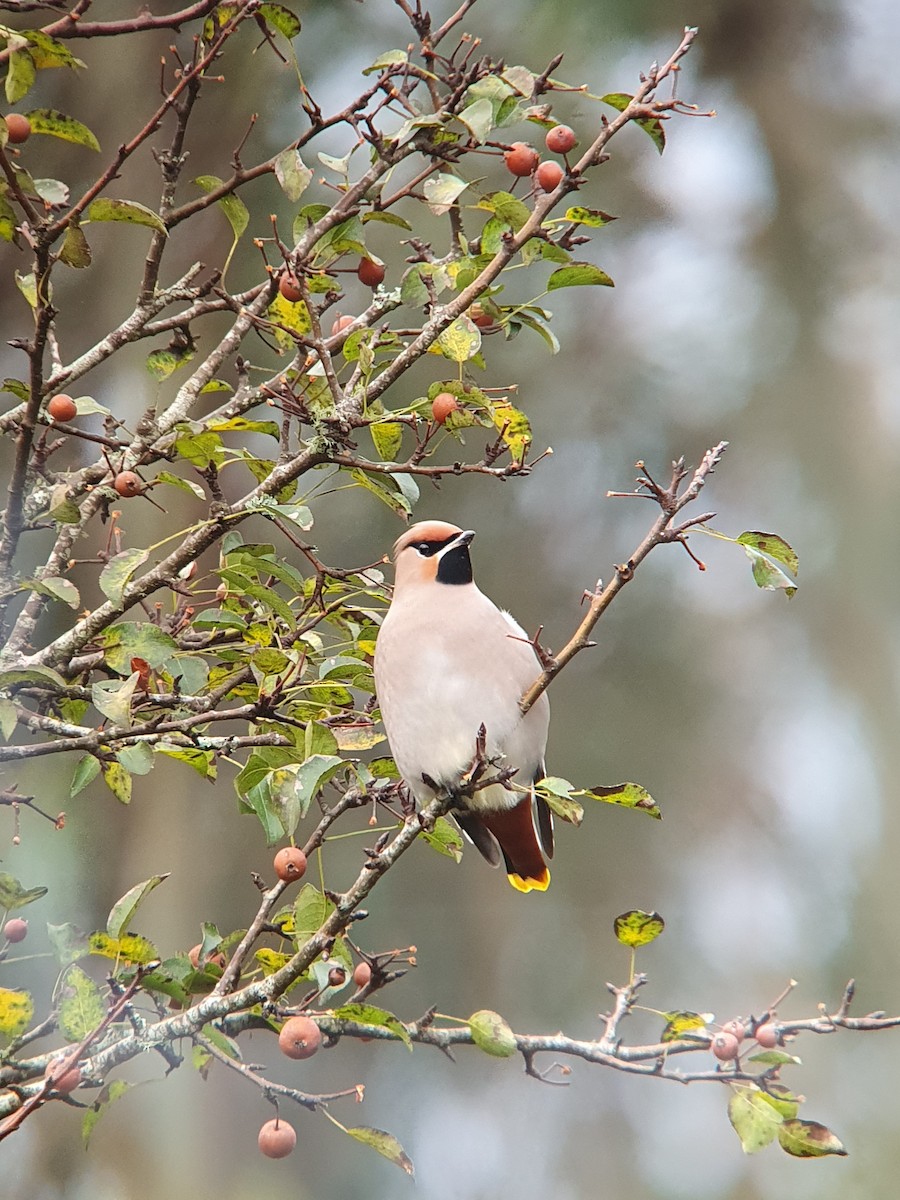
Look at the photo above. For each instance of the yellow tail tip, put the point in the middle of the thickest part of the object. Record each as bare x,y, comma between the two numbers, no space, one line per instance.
538,883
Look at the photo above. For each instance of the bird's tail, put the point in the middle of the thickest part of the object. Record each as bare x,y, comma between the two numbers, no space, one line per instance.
514,829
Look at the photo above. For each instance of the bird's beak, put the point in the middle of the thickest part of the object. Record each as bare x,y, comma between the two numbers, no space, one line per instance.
464,538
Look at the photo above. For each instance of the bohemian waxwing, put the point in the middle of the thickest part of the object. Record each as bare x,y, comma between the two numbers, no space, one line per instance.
448,661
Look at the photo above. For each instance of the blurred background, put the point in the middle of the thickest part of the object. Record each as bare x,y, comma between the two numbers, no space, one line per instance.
756,301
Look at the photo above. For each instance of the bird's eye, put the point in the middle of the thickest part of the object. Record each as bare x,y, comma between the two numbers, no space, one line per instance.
426,549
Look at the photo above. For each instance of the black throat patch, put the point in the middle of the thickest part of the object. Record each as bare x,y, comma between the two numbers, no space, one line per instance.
455,566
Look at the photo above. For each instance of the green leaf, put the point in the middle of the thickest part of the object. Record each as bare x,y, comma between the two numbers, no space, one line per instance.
369,1014
442,191
9,719
115,576
538,321
185,485
27,285
75,251
18,389
42,676
762,549
638,928
280,18
271,961
13,895
311,909
681,1022
52,191
460,341
491,1034
59,125
292,173
68,941
118,780
113,697
507,208
130,948
86,771
8,224
444,838
16,1011
291,789
269,661
105,1097
773,1058
164,362
201,450
652,126
478,118
296,514
395,500
137,759
772,545
243,425
386,1145
386,218
121,913
628,795
782,1099
136,639
514,427
390,58
59,589
61,508
47,51
202,761
388,438
293,317
557,794
81,1007
356,738
21,72
236,212
767,576
808,1139
578,274
754,1121
125,210
594,218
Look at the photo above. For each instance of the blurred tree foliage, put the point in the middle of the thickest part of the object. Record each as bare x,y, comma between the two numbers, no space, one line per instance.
383,249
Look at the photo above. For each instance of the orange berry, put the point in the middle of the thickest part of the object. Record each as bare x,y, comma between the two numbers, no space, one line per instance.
369,272
64,1081
548,175
300,1037
290,863
340,324
362,973
479,317
443,405
217,960
725,1046
277,1139
61,407
767,1035
15,930
128,484
18,128
561,139
289,287
521,159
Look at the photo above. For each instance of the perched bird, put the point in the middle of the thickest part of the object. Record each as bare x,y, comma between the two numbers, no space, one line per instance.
448,661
